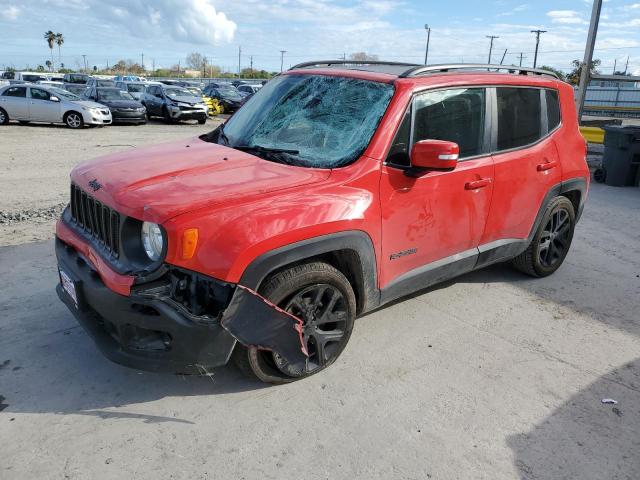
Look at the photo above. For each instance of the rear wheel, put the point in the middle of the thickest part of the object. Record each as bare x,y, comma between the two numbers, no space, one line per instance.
74,120
322,297
552,240
4,117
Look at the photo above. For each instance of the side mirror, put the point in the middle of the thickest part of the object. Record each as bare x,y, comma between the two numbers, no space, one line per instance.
438,155
54,98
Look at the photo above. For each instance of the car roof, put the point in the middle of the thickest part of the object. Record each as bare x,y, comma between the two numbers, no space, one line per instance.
390,72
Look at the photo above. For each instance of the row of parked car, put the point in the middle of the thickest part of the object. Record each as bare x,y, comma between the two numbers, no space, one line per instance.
78,100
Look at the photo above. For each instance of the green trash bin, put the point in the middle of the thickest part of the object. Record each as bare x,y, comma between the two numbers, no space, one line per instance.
621,162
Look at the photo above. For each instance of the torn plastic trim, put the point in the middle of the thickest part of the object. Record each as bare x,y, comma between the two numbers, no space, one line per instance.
256,322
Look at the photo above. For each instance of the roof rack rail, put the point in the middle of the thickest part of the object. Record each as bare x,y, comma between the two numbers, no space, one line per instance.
350,62
443,68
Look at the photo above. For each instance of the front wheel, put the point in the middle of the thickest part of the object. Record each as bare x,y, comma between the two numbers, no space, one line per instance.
74,120
4,118
322,297
552,240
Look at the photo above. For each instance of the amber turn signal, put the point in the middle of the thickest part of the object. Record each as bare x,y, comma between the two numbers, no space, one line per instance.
189,243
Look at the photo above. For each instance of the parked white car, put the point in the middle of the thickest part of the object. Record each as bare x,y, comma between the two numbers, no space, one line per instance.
36,103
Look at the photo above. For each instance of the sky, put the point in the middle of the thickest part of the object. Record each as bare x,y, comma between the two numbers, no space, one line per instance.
166,31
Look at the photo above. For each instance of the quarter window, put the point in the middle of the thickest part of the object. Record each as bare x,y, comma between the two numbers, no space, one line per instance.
553,109
456,115
15,92
519,117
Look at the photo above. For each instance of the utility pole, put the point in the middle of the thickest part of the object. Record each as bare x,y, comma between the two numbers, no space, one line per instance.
251,65
84,59
585,73
492,38
426,53
142,61
521,57
615,63
344,57
204,67
535,56
239,55
282,52
503,55
153,67
626,67
178,68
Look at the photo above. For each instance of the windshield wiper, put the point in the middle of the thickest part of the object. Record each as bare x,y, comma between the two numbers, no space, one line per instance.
261,149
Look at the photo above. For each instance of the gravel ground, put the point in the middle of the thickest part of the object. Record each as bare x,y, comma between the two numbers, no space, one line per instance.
493,376
36,161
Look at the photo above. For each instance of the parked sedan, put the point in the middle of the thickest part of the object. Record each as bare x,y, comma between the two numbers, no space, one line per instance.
174,104
36,103
124,108
228,96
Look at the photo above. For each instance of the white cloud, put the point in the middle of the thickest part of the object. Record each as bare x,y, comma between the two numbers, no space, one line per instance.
566,17
11,12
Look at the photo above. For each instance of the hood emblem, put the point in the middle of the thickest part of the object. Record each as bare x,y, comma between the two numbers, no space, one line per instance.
95,185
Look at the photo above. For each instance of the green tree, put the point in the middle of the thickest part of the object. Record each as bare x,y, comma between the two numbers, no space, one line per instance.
59,42
574,77
50,37
560,73
49,64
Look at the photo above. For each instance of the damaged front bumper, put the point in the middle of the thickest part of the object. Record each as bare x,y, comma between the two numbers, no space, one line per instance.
141,330
188,324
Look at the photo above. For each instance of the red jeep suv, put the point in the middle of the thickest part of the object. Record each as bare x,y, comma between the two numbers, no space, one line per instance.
335,189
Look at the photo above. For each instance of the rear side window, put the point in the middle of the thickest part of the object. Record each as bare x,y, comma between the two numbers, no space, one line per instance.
553,109
456,115
519,117
15,92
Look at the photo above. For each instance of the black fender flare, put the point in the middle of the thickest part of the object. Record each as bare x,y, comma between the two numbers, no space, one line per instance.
353,240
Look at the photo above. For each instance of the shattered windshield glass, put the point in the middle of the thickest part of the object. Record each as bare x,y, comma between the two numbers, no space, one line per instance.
313,120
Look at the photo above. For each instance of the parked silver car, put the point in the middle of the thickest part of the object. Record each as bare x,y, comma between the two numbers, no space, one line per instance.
136,89
35,103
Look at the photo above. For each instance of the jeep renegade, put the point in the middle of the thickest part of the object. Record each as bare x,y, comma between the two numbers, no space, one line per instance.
337,188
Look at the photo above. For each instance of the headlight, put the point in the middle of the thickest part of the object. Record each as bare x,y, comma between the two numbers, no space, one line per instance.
152,240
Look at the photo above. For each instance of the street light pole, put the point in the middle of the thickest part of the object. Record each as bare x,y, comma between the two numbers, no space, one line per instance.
585,72
535,56
426,53
492,38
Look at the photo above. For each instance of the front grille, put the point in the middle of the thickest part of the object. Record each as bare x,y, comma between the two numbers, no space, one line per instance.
97,219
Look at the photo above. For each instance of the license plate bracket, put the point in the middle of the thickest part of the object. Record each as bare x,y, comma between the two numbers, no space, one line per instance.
72,287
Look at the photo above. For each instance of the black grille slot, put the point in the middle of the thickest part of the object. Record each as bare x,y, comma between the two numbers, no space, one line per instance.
97,219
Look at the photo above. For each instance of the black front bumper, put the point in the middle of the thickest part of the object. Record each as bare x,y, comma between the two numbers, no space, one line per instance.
138,331
128,117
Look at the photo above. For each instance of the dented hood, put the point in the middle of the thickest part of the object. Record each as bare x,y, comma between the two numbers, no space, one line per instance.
157,183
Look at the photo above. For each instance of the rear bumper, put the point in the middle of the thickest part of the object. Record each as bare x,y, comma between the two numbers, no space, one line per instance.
140,331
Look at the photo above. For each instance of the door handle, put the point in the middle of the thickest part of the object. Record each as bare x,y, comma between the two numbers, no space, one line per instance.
476,184
547,165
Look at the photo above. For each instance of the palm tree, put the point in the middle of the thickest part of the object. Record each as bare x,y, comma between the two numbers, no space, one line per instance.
48,64
59,41
50,37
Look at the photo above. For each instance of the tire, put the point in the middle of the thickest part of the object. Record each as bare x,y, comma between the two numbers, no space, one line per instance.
165,115
552,240
202,121
285,289
4,117
73,120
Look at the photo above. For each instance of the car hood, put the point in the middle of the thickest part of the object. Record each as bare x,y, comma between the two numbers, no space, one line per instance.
87,103
185,99
160,182
121,103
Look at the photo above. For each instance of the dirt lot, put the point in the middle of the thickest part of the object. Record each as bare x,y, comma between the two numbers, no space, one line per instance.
493,376
35,162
